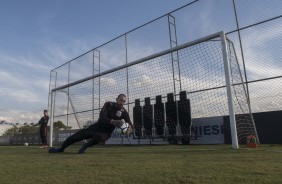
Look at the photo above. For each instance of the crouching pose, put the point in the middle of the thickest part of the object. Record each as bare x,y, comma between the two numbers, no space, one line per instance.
112,114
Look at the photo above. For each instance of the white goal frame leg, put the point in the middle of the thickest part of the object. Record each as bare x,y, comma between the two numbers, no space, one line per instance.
229,92
52,118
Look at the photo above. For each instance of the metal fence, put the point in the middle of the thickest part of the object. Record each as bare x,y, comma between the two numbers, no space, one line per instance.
254,26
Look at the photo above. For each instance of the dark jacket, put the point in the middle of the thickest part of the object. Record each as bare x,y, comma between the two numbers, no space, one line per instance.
43,121
110,111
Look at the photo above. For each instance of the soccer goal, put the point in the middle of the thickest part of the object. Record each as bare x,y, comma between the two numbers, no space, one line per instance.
167,92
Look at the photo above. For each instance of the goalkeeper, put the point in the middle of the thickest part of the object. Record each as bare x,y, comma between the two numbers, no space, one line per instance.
112,114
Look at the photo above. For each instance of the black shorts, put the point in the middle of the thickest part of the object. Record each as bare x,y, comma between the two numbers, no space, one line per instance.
102,128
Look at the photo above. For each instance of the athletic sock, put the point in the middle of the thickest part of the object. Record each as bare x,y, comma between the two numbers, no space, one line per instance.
82,150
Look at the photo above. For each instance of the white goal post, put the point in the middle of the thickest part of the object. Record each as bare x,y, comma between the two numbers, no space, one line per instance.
229,92
200,65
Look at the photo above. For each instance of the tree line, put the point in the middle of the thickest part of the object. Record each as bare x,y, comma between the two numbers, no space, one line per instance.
33,128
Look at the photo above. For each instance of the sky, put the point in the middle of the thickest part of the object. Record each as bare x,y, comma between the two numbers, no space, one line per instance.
37,36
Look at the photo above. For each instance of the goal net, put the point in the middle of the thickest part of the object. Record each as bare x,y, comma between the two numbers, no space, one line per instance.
167,92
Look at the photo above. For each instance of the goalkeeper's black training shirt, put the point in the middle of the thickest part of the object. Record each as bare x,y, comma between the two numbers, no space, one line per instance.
111,111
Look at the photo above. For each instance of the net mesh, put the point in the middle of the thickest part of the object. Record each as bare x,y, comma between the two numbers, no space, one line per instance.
165,94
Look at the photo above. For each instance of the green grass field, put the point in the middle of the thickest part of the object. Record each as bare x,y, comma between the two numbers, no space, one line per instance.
142,164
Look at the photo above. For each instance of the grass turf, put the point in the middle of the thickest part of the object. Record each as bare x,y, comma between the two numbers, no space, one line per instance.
142,164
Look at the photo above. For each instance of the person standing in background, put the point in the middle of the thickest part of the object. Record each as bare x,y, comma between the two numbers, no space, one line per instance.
43,129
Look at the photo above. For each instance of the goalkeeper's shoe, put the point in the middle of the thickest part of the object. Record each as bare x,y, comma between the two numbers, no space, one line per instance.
55,150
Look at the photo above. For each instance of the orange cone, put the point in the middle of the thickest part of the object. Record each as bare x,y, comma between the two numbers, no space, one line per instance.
251,141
